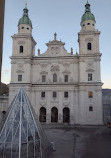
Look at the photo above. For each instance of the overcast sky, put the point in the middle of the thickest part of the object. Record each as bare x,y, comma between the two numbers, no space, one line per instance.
63,17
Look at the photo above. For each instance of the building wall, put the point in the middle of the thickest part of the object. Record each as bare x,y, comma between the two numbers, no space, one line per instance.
63,63
84,85
106,101
2,5
4,104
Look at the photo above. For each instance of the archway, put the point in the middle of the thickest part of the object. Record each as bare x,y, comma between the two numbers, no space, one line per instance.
66,115
42,116
54,114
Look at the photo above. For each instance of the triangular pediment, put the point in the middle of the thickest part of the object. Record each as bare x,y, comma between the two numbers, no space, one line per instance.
90,70
55,48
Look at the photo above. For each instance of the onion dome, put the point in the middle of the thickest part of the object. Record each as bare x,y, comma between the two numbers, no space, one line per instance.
87,15
25,18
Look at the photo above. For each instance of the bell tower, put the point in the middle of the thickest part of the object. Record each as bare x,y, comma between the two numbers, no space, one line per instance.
23,42
88,36
90,94
22,54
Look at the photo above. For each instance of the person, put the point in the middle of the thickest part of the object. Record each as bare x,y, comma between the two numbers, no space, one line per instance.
109,124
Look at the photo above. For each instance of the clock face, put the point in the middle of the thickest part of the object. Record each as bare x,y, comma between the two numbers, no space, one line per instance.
55,50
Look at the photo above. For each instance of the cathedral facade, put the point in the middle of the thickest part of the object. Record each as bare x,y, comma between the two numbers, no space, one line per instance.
62,87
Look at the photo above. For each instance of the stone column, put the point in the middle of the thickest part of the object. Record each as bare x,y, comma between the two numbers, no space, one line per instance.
60,108
72,108
48,109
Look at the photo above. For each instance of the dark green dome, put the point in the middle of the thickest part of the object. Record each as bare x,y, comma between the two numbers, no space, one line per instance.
87,15
25,18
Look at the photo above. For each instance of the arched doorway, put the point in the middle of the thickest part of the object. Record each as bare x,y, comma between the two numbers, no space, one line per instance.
54,114
42,116
66,115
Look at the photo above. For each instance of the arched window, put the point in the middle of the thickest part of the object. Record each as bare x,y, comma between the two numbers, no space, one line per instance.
54,77
21,49
54,114
66,78
42,116
89,46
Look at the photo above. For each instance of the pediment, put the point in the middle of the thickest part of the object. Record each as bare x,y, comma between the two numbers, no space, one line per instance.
66,72
55,48
90,70
43,72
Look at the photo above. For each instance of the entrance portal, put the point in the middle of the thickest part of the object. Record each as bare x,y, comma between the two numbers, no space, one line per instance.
54,114
42,116
66,115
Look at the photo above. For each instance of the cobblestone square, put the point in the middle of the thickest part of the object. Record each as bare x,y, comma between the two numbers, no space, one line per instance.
80,141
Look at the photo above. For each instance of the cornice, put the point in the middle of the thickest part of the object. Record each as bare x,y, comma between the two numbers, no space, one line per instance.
89,32
21,57
24,36
90,84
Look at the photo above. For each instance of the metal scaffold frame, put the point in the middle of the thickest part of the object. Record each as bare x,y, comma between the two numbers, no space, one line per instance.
21,135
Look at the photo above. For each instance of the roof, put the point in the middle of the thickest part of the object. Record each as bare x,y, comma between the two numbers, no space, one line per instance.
87,15
25,18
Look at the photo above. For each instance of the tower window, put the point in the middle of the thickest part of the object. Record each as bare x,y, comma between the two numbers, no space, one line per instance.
21,49
54,77
83,25
92,24
22,27
65,94
66,78
19,77
89,77
88,23
43,94
43,78
54,94
89,46
27,28
90,108
90,94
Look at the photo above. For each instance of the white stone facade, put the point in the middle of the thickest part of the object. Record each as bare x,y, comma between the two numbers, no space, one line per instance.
4,101
71,83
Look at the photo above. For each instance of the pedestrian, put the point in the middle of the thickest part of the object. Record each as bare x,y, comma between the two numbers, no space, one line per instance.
109,124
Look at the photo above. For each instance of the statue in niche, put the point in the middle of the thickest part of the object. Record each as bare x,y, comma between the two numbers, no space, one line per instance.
49,81
60,117
60,80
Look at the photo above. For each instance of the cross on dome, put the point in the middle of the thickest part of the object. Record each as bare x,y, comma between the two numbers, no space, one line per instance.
25,3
